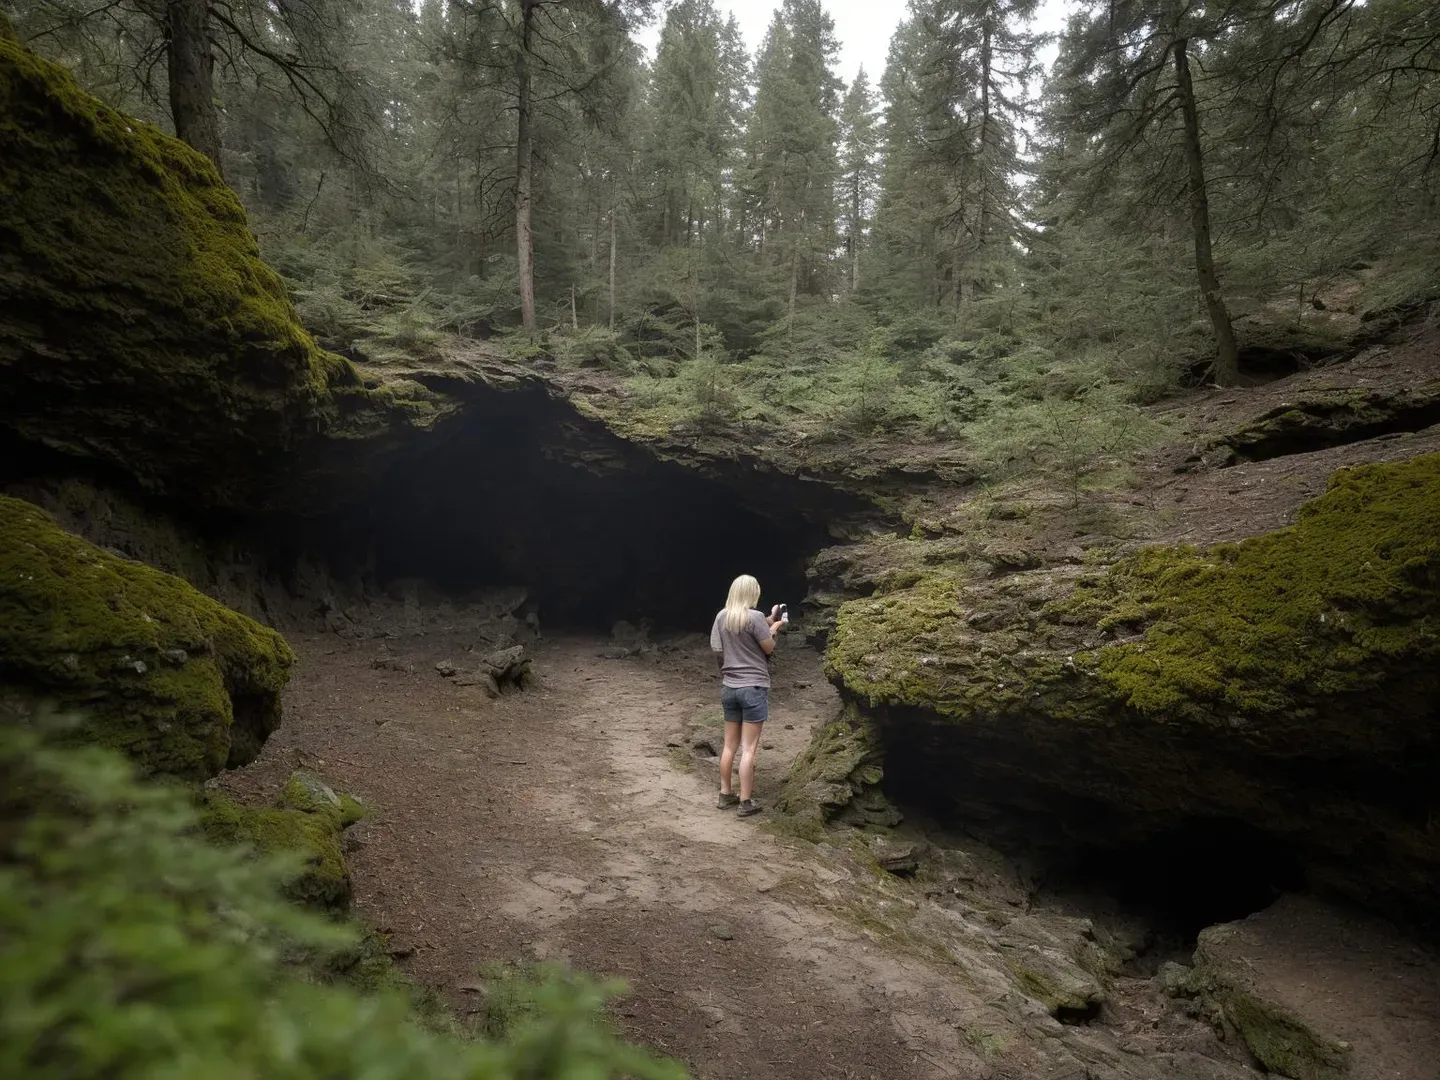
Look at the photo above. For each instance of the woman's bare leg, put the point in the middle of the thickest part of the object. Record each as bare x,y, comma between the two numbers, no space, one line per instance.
727,755
749,744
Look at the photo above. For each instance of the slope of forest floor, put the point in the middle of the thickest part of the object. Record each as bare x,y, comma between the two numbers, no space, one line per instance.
1194,488
557,825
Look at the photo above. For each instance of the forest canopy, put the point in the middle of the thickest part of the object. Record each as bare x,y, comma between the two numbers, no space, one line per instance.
1186,189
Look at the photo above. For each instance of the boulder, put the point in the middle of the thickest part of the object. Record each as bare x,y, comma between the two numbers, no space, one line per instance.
506,667
149,665
1286,684
320,877
894,855
133,302
1068,992
310,820
1316,993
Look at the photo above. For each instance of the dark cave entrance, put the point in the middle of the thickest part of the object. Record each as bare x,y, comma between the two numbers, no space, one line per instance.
1178,873
520,490
1192,874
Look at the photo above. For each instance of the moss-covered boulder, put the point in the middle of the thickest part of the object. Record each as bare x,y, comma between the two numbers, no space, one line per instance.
306,826
839,768
1289,682
180,683
138,327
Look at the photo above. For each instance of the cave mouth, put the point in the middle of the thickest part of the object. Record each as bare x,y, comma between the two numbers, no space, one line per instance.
1192,874
1177,871
523,491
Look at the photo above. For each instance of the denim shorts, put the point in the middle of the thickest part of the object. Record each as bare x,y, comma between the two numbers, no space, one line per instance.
748,703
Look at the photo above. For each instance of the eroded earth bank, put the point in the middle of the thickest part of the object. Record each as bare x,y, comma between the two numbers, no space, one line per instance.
1141,787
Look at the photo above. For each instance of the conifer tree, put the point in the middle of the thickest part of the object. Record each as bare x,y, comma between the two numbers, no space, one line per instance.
859,169
954,115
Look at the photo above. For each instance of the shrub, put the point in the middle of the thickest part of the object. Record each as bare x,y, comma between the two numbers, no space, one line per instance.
130,948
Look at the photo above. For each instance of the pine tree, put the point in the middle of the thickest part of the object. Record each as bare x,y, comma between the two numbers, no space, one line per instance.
859,169
954,117
792,146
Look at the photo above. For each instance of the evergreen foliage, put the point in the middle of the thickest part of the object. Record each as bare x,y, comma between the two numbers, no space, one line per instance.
1186,189
130,948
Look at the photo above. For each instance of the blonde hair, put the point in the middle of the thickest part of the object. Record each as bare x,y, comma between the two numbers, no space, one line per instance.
744,595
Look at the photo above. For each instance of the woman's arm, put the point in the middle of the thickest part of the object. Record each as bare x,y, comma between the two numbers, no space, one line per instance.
773,624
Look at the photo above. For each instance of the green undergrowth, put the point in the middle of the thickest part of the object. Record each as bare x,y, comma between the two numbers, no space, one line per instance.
131,948
319,877
1271,629
843,372
176,680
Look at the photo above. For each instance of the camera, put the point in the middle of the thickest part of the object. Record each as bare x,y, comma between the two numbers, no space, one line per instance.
784,613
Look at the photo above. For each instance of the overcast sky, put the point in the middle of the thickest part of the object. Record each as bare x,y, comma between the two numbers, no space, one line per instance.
863,27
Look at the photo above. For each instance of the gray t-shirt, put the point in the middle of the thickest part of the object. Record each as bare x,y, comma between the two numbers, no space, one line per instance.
745,661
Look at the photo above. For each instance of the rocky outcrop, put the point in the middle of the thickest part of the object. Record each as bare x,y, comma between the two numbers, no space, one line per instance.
840,769
1284,686
307,826
1322,418
149,665
1319,994
139,329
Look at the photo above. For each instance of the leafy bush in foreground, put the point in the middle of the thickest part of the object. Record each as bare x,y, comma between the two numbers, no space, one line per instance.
131,948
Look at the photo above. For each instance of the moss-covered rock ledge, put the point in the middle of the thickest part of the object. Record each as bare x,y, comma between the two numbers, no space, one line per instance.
180,683
139,328
1290,682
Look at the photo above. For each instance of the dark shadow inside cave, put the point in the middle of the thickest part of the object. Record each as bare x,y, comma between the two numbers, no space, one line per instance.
1193,874
1179,874
525,492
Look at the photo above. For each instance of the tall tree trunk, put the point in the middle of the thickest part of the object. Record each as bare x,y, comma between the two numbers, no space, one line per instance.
192,76
794,288
524,162
855,208
614,251
695,300
1227,358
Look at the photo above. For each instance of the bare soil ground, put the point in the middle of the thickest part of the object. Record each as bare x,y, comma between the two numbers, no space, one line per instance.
555,824
1348,978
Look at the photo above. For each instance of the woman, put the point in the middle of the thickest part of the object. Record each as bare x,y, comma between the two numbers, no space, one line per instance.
742,640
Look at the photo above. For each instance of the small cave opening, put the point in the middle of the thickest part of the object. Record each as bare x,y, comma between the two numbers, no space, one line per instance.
524,491
1192,874
1177,873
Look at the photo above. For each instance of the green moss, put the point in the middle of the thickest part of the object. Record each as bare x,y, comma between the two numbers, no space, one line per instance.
917,646
841,762
306,792
321,879
1282,1043
1332,606
133,302
1244,637
180,683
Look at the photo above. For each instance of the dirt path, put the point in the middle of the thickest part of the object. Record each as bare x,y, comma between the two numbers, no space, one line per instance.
554,824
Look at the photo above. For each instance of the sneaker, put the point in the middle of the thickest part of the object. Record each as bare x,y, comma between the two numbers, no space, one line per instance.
726,801
748,807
